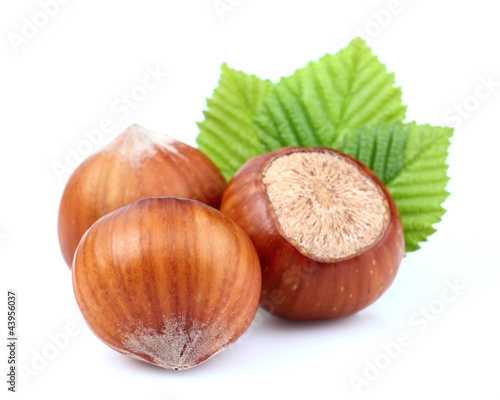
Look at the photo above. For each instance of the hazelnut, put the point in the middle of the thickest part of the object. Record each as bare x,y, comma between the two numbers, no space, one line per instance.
326,229
168,281
139,163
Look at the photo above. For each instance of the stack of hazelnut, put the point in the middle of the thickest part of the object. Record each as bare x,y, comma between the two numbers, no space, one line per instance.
170,263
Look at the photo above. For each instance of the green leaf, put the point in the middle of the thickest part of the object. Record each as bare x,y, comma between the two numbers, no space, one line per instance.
247,116
226,134
347,101
318,103
411,161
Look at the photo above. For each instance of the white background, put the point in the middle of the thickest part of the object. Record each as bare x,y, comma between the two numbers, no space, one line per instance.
66,79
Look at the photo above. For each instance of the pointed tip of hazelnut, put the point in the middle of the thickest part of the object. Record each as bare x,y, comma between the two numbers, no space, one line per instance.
138,141
136,129
138,132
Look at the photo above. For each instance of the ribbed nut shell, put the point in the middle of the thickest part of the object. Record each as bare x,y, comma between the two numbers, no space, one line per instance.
168,281
295,286
139,163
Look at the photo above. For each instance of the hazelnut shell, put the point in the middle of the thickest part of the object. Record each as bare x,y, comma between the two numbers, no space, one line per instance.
138,164
295,286
168,281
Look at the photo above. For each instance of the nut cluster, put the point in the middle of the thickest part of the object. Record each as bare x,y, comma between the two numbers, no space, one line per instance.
161,275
